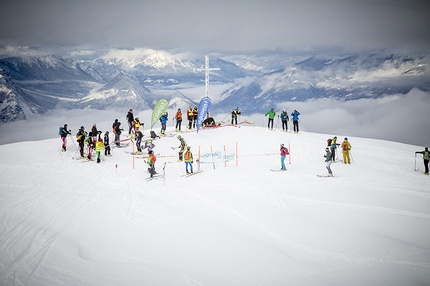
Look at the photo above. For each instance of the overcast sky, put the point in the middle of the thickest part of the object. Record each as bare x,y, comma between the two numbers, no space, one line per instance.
216,26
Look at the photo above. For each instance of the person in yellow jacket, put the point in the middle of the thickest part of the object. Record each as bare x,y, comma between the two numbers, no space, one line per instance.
188,158
346,146
190,116
100,146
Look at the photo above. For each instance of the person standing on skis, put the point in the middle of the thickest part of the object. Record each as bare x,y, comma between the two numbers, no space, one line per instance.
151,163
284,153
80,138
130,119
346,146
178,118
272,115
188,158
328,160
284,120
190,117
295,116
163,120
106,143
181,147
64,133
426,159
234,115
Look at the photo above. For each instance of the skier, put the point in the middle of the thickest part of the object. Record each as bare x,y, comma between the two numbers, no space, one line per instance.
138,137
99,146
295,116
163,120
188,158
136,124
272,115
80,138
190,117
114,125
106,143
284,119
284,153
346,146
151,162
118,131
130,119
195,114
149,145
181,147
234,115
94,132
90,144
63,133
426,159
333,147
178,118
328,160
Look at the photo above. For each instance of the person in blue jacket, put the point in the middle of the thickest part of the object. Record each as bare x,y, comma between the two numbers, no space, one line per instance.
163,120
284,119
295,116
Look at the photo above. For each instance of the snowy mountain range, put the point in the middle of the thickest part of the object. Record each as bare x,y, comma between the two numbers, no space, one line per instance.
138,78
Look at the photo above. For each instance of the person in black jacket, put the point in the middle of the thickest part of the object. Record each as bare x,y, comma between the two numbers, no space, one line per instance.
106,143
130,119
80,138
426,159
64,133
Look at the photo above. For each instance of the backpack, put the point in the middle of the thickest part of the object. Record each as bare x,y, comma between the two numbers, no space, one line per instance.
345,146
329,142
60,131
88,140
154,135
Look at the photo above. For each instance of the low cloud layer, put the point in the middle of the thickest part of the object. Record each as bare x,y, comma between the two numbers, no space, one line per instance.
400,118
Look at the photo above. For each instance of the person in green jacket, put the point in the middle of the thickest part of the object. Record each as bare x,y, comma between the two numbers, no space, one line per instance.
426,157
272,115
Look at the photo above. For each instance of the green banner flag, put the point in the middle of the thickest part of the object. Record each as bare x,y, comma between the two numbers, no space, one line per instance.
159,109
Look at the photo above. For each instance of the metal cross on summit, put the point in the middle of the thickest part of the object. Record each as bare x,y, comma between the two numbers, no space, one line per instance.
207,70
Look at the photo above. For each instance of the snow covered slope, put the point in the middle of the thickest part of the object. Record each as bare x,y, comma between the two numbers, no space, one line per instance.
70,222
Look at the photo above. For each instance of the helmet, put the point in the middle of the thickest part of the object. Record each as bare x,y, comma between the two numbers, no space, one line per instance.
188,147
107,132
82,127
346,139
150,152
179,137
326,149
282,145
284,110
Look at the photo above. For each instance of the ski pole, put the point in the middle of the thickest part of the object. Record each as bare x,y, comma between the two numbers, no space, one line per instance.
415,166
350,154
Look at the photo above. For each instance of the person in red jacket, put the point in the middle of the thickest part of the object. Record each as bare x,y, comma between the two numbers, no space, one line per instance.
284,153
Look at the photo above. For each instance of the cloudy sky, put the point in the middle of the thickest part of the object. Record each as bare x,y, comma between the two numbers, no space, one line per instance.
216,26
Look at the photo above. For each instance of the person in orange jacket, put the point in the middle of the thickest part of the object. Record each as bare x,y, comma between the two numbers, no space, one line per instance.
178,118
151,162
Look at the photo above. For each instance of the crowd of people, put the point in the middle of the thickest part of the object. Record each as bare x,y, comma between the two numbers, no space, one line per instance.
93,140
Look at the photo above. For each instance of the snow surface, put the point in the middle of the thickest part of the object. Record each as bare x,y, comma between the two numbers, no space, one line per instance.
71,222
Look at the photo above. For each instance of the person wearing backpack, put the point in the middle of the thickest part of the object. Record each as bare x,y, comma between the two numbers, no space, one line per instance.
130,119
151,162
99,146
333,147
138,136
63,134
182,147
284,153
284,120
188,158
80,138
426,157
234,115
346,146
90,144
118,131
106,143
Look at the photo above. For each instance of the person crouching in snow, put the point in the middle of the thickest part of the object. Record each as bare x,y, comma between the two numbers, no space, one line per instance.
99,146
328,160
188,158
151,162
